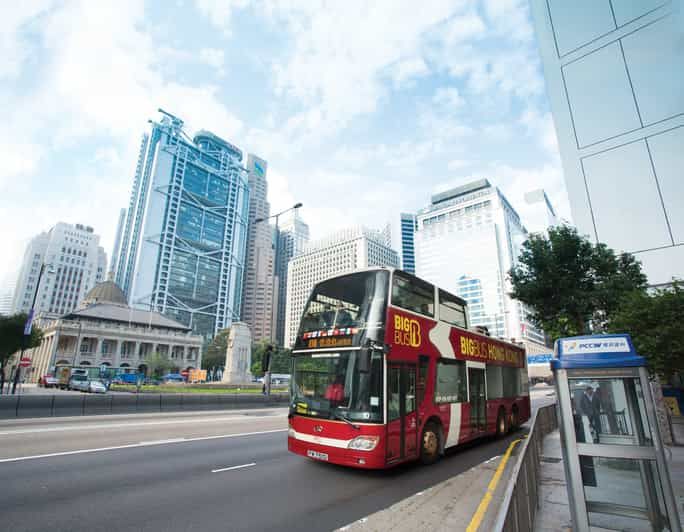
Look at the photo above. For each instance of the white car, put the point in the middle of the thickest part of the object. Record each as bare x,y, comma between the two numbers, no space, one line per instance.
96,386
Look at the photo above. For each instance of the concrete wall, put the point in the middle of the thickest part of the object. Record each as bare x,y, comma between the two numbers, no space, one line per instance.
23,406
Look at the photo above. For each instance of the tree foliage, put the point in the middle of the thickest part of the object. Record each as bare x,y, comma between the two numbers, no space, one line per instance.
655,322
157,364
279,364
215,352
573,286
12,337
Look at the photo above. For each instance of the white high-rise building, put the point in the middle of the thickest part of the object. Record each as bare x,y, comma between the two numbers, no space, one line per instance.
77,263
257,295
539,213
615,80
466,242
344,251
6,297
292,239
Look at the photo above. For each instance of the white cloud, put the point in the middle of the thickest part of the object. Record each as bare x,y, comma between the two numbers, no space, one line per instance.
213,57
220,12
408,69
457,164
448,97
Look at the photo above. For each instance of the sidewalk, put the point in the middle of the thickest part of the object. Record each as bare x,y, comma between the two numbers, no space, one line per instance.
554,512
447,506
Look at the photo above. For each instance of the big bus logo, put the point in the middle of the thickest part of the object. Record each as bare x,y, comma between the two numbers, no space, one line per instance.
406,331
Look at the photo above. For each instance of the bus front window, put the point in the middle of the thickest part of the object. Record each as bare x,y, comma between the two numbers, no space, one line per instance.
330,385
353,304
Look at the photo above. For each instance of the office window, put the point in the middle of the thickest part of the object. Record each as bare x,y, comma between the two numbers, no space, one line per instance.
623,193
578,22
607,109
668,159
655,59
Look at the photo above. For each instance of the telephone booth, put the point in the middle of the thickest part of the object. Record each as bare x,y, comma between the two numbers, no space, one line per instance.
614,459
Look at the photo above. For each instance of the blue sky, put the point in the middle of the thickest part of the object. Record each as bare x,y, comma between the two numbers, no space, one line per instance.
362,109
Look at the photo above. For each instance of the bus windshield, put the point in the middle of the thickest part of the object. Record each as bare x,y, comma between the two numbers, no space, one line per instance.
352,304
331,386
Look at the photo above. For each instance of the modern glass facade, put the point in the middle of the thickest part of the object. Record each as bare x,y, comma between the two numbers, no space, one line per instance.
182,250
291,239
466,242
408,255
615,77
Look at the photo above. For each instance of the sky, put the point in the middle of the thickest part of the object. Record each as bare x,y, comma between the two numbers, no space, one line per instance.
362,109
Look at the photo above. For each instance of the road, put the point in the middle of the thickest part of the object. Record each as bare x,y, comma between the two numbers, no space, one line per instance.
220,471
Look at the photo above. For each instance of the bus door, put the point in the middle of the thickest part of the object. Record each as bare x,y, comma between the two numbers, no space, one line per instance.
477,394
402,431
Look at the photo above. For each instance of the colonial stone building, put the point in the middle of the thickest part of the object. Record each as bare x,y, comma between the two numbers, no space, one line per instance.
106,331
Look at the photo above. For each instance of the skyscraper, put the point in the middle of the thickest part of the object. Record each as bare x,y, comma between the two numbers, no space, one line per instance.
540,214
467,240
343,251
615,78
6,297
408,254
117,243
76,260
294,235
257,297
182,251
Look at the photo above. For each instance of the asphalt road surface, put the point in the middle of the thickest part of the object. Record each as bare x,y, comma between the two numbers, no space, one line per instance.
202,471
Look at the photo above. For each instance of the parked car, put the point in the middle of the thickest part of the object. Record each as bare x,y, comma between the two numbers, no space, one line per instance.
78,382
96,386
49,381
173,378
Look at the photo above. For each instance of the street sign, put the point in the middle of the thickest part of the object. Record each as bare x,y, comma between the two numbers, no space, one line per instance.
25,362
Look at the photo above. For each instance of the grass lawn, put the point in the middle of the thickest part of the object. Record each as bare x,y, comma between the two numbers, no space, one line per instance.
170,388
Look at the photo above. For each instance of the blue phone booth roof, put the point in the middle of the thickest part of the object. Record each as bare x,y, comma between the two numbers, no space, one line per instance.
597,351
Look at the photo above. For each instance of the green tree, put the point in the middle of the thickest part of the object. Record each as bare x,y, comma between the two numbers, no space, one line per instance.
12,338
573,286
279,364
215,352
655,322
158,364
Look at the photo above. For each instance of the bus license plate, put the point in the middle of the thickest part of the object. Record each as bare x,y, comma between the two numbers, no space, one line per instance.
317,455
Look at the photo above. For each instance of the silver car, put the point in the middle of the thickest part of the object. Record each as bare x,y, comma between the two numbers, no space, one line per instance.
96,386
78,382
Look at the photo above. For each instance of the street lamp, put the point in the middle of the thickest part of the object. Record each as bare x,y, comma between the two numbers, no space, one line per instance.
29,322
267,372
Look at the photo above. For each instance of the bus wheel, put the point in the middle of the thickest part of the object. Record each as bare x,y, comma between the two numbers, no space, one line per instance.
515,418
501,423
429,444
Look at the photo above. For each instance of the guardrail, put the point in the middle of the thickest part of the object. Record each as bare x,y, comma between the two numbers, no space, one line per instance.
521,499
29,405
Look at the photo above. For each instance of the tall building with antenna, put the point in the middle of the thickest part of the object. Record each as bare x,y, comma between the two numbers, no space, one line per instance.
182,248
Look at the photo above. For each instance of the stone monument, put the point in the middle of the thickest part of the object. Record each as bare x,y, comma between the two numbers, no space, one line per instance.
238,355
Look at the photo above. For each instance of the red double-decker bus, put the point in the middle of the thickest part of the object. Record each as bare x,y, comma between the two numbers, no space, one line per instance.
385,370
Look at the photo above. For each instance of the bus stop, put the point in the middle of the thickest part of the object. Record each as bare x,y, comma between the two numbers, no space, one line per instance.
614,460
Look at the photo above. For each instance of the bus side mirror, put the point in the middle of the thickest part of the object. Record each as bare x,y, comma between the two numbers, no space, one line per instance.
364,360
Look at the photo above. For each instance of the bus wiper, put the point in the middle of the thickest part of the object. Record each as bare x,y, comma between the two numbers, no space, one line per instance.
337,415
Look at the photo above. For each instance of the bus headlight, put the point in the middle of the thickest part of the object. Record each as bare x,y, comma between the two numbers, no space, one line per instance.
364,443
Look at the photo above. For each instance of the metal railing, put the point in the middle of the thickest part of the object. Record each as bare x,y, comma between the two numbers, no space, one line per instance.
521,499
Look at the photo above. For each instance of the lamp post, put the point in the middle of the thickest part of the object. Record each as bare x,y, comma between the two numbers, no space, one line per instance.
29,323
267,371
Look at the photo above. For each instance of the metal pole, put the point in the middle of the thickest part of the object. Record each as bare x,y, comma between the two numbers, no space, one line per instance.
27,330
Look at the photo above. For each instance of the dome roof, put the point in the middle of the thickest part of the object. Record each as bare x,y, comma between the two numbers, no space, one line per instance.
106,292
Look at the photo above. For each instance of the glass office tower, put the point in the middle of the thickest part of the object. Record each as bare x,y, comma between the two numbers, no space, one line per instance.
182,250
615,78
408,254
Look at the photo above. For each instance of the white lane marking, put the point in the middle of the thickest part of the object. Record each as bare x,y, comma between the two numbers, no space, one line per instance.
232,467
132,424
135,445
159,442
